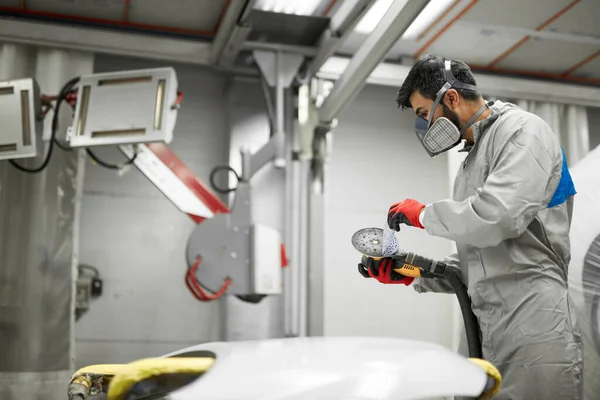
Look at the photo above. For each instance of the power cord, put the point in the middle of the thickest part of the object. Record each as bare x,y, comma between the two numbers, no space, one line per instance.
94,270
214,172
106,165
61,96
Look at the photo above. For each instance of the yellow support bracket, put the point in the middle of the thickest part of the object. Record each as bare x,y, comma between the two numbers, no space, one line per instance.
138,371
494,378
117,380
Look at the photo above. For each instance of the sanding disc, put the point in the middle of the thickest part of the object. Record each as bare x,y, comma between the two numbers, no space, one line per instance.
375,242
369,241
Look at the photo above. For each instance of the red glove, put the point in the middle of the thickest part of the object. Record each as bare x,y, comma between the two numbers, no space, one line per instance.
406,212
383,271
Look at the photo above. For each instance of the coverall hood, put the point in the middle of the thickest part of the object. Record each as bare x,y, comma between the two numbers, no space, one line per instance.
497,109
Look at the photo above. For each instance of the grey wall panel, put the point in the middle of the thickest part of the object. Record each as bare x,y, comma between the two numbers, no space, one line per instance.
137,238
39,216
376,162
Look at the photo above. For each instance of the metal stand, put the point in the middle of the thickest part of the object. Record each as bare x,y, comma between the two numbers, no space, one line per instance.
228,243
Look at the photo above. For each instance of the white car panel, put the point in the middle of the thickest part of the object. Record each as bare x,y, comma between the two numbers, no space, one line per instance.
328,368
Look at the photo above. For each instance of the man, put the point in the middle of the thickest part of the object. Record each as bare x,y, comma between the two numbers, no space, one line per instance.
510,218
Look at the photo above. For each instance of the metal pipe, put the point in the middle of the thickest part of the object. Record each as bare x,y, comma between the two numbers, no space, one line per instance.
293,240
236,40
313,285
268,104
352,17
232,15
337,35
302,270
237,37
289,236
279,94
397,19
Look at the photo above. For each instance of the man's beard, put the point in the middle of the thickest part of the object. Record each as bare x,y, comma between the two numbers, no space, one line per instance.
451,115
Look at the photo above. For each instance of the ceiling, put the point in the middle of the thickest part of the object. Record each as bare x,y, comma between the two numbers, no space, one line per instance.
550,39
556,39
191,18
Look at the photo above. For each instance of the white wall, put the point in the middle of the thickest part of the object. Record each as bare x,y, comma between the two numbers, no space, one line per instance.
376,162
136,237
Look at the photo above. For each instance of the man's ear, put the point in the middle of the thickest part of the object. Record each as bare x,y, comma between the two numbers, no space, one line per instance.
452,98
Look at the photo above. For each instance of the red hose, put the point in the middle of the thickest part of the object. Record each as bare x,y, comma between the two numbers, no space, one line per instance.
195,288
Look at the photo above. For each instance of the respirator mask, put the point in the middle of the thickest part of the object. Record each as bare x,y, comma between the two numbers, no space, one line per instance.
442,135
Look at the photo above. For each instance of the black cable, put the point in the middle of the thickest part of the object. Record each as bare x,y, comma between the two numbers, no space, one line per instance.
90,268
213,173
106,165
94,157
464,301
61,96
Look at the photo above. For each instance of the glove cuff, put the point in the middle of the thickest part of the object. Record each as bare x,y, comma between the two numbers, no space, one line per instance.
408,280
422,217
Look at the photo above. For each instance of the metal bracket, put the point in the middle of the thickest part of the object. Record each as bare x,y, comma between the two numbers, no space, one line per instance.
232,33
279,69
274,151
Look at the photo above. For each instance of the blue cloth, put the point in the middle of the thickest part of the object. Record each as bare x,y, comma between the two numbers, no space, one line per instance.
565,188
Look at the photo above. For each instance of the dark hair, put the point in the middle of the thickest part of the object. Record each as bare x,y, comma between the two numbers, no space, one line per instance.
427,76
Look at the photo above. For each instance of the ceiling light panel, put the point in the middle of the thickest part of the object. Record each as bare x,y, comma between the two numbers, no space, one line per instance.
429,14
298,7
432,11
373,16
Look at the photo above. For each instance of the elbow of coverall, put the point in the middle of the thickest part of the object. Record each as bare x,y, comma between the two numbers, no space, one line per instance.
432,285
495,231
474,227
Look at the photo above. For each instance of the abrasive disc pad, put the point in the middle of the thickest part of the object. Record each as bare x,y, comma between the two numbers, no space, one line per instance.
374,242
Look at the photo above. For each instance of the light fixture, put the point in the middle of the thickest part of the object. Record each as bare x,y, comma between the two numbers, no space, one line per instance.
433,10
373,16
368,23
298,7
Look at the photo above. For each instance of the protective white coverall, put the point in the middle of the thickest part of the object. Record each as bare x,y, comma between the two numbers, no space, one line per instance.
510,219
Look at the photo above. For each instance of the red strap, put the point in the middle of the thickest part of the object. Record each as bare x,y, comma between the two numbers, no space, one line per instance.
284,259
194,287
